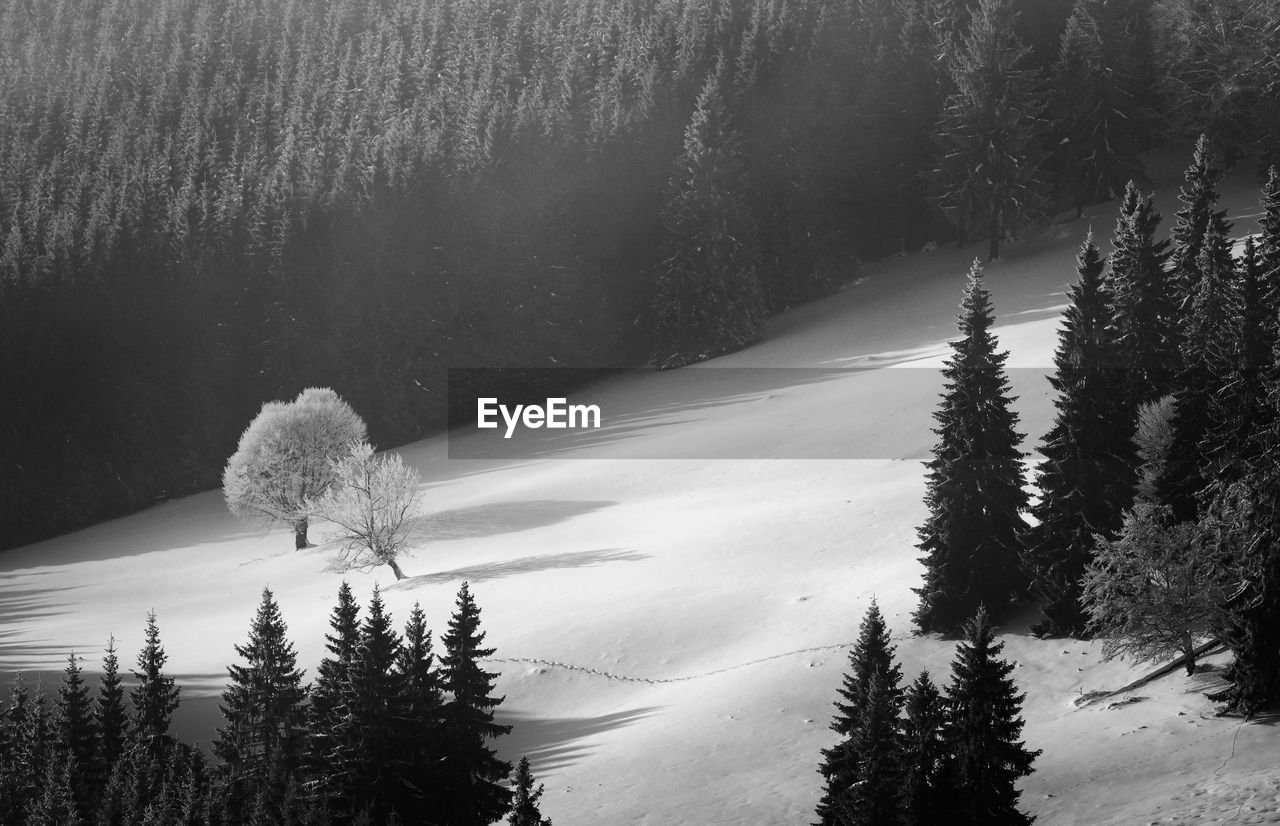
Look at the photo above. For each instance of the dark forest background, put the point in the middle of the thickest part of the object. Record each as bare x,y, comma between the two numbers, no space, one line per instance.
206,204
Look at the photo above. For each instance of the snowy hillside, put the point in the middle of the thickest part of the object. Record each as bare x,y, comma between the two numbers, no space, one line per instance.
671,631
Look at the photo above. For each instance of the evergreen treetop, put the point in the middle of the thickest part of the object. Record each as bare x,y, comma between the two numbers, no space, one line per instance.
155,696
1196,220
924,754
524,805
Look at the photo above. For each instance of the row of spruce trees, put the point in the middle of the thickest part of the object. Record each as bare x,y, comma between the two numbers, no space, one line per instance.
1185,320
206,204
918,756
387,733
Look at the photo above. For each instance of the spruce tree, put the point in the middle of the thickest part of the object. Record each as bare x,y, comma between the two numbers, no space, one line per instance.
1207,359
365,764
524,804
972,535
1269,253
1239,406
155,696
876,795
1096,147
56,803
1196,221
1143,302
323,710
987,179
1253,628
262,706
423,702
75,733
923,754
472,771
20,769
872,655
982,733
110,716
1086,478
709,300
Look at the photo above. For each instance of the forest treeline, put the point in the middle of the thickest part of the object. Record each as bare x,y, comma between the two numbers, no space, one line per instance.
205,204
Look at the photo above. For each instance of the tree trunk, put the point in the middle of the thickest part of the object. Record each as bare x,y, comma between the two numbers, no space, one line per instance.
300,535
1189,651
396,569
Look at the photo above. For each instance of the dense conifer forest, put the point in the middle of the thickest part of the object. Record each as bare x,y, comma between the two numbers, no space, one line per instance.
205,204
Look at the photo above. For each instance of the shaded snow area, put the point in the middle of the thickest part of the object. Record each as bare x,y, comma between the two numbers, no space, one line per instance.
671,632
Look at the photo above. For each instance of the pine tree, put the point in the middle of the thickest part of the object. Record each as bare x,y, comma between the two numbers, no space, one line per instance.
709,300
987,178
262,706
365,764
75,733
56,804
1086,478
1143,302
471,791
423,702
20,768
524,805
924,754
1269,253
155,696
1196,221
975,497
872,655
110,717
982,733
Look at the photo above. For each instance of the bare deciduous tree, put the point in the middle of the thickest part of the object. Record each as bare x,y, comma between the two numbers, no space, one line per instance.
371,503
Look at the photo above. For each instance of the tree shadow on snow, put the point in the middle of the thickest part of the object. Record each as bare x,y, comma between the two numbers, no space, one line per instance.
523,565
553,743
501,517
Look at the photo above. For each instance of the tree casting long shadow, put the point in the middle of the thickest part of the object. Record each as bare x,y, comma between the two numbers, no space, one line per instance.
523,565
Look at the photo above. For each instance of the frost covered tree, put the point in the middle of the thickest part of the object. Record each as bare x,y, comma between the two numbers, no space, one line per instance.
975,498
285,457
1196,225
1157,589
1086,478
987,176
371,503
982,733
709,300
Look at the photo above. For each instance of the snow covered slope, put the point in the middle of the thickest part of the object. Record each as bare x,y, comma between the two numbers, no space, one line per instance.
671,631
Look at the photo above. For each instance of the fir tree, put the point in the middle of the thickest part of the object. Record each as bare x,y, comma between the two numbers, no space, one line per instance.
1269,253
472,772
872,655
1196,221
987,181
709,299
982,733
110,716
155,696
262,705
20,769
56,804
924,754
1143,302
972,535
1086,478
524,805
